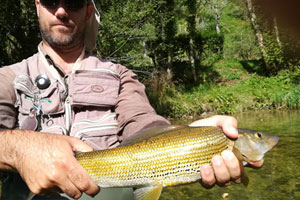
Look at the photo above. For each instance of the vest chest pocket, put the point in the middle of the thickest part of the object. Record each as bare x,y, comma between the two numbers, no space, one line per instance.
98,87
93,94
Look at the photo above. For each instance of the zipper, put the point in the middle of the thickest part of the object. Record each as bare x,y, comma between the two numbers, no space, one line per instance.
68,111
64,131
96,128
105,117
93,124
101,70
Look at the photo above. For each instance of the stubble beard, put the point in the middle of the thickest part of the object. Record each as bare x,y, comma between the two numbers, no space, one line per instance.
65,40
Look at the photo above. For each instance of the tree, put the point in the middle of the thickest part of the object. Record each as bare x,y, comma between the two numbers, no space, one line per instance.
19,30
258,32
191,24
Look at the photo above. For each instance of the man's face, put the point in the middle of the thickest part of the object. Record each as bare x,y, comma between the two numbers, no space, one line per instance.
61,26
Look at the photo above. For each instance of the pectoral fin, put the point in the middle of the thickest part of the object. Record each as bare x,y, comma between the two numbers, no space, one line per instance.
245,179
148,193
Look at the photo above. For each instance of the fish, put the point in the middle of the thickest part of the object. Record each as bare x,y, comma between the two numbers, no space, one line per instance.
167,156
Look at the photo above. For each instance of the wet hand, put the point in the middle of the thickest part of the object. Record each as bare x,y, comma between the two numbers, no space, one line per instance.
226,167
47,164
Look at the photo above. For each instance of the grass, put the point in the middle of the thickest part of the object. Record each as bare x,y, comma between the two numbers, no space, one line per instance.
237,90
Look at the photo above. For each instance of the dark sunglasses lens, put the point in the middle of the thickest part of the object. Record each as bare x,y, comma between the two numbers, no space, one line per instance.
50,3
75,4
70,4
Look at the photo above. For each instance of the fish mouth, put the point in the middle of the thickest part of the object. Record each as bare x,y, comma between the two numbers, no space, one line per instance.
273,141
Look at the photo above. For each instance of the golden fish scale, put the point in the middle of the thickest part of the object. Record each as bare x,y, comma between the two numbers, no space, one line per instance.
169,159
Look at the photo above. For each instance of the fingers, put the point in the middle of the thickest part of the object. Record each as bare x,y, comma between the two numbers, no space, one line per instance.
83,182
72,179
207,176
78,175
225,168
233,166
256,164
54,169
69,188
221,172
79,145
93,189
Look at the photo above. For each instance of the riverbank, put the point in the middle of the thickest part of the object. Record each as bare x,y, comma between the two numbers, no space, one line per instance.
233,90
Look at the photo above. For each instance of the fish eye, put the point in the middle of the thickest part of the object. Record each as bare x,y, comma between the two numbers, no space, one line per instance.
257,135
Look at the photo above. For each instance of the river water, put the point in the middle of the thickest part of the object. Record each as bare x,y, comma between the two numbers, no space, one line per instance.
278,179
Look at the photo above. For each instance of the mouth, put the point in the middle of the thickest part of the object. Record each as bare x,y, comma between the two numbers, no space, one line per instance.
62,25
62,28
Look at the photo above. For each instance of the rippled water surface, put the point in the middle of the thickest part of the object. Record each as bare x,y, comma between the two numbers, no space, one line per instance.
278,179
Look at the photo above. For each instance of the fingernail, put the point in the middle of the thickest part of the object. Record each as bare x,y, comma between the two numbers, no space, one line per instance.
217,160
205,169
228,155
239,180
233,131
227,184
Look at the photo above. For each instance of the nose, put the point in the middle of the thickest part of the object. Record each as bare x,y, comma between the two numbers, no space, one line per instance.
61,11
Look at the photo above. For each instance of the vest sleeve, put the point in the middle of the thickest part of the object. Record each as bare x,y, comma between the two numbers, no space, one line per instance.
8,112
133,109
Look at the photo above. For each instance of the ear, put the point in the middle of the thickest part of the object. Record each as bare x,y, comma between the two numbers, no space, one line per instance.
37,5
90,11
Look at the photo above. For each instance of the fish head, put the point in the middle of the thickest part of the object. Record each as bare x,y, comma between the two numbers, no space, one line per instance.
253,145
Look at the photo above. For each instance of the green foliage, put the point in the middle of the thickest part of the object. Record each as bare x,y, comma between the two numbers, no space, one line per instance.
212,47
199,56
19,30
125,27
233,76
239,37
250,93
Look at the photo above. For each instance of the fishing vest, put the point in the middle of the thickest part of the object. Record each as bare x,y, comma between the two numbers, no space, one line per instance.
80,104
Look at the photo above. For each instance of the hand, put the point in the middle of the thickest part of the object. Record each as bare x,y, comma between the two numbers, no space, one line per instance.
47,164
226,167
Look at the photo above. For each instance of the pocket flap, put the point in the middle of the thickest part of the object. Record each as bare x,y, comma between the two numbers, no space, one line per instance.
98,87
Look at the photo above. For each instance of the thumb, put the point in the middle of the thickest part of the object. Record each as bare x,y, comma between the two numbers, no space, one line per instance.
229,126
78,145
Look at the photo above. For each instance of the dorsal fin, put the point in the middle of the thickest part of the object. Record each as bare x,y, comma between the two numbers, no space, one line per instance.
150,132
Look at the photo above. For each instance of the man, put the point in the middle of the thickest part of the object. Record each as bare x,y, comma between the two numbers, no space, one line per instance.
65,90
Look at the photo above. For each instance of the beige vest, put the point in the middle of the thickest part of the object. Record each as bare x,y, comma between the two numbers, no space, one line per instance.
80,104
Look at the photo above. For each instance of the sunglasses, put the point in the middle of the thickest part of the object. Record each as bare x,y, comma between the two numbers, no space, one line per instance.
72,5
